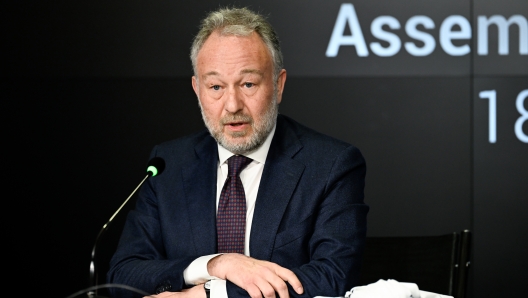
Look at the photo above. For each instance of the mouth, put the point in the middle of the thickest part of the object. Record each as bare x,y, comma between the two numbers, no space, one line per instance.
235,123
237,128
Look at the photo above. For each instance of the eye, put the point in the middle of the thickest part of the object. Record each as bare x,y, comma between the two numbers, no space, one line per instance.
248,85
216,87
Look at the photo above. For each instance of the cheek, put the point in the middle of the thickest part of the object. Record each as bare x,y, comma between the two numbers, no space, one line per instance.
263,104
259,109
211,108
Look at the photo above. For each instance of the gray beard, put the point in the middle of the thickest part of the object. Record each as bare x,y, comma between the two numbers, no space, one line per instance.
256,139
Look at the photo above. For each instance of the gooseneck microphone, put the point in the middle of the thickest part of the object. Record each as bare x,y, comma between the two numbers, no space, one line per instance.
155,167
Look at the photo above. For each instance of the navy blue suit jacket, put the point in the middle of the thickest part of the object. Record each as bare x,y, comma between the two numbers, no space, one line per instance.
309,215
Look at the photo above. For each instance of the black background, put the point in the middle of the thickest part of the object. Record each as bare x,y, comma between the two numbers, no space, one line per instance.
90,87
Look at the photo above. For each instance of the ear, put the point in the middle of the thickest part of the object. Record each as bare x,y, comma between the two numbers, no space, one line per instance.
281,81
195,85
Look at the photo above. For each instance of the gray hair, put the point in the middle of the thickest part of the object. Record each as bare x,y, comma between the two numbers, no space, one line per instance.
239,22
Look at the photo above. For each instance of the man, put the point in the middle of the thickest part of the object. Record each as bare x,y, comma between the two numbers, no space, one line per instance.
304,220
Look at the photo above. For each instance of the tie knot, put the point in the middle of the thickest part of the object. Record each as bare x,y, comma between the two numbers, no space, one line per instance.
236,164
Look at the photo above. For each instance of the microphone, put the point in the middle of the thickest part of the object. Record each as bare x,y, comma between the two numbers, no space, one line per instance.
155,167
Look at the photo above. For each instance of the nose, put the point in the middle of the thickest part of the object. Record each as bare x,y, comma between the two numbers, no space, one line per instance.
234,101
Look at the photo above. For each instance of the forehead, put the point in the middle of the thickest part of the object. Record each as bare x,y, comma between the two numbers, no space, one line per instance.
227,54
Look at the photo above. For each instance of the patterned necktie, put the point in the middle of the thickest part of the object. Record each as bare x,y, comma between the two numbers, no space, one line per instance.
231,216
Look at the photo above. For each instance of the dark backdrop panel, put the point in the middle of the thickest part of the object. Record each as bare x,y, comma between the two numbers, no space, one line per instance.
142,38
500,188
82,147
415,135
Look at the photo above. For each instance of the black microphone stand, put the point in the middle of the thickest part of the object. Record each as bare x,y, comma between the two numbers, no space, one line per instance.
93,276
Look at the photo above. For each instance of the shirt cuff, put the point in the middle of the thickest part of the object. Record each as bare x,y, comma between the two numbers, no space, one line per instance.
196,273
218,288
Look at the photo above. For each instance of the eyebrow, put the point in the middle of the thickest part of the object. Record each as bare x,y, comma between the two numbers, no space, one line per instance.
255,71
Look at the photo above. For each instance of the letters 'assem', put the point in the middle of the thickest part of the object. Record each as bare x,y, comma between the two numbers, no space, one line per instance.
347,15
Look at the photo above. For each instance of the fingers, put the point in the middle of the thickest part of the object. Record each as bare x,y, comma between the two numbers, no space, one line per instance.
259,290
271,283
266,285
284,275
290,277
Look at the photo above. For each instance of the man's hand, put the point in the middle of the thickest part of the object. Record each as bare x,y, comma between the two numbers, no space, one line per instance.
194,292
258,278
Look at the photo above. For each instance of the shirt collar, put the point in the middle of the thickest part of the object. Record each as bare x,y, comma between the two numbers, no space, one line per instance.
258,155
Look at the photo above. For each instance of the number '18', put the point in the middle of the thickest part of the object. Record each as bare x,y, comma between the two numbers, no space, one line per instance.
491,95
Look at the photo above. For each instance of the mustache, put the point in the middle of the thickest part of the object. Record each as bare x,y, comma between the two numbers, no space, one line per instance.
236,118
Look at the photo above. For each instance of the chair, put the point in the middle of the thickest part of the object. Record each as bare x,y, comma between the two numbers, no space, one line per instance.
437,264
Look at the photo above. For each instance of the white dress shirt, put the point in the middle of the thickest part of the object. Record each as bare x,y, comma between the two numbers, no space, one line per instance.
196,272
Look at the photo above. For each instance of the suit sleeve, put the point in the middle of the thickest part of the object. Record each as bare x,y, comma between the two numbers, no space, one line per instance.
338,240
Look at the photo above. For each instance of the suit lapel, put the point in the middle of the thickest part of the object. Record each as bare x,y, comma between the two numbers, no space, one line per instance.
199,182
279,179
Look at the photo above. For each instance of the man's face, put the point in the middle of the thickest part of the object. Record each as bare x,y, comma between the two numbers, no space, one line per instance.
235,88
